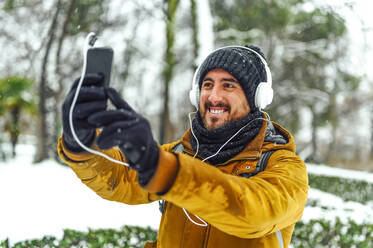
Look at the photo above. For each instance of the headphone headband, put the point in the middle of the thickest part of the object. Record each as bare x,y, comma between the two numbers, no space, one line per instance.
263,94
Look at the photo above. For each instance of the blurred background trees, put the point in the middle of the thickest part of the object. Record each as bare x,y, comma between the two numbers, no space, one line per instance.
15,102
307,45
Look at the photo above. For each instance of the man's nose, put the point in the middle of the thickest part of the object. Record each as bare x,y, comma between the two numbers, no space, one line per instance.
215,95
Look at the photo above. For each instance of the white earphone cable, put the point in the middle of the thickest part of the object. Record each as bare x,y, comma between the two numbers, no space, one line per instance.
195,137
234,135
88,43
86,47
266,114
204,223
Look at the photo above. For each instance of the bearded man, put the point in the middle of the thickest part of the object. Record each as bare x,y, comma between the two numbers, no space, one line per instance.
232,180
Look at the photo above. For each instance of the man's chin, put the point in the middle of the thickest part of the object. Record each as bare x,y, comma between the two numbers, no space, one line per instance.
214,123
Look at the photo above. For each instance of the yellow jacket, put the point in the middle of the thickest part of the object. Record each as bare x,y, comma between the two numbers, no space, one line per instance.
259,211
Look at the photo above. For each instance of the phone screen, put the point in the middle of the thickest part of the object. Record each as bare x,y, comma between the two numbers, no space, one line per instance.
99,60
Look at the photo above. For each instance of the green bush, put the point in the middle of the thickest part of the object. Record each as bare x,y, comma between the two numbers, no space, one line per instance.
347,189
127,236
314,234
321,233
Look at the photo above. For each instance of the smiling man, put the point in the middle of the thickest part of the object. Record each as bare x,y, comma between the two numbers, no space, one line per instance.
223,99
232,180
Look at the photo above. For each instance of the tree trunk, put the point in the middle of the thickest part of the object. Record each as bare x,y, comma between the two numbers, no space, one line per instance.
166,129
43,151
371,133
333,119
195,29
58,93
314,155
14,128
129,54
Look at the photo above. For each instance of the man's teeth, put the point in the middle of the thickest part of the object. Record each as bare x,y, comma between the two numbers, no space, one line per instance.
216,111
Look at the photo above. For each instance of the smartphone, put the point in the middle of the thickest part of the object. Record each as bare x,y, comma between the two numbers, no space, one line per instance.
99,60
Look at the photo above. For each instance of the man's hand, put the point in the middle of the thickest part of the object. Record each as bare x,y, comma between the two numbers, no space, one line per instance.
129,131
91,99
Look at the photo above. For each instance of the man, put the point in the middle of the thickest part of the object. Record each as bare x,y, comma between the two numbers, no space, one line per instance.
233,180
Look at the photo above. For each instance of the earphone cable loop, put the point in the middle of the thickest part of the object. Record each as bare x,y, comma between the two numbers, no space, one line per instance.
89,42
234,135
204,223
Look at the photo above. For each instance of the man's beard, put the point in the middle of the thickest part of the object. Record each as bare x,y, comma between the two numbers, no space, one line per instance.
209,104
209,141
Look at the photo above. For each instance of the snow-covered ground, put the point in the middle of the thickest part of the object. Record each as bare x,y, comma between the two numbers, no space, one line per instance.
44,199
330,207
339,172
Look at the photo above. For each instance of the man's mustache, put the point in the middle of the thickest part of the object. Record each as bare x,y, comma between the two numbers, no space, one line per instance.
209,104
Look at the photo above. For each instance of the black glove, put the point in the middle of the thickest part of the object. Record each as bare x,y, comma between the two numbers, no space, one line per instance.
131,133
91,99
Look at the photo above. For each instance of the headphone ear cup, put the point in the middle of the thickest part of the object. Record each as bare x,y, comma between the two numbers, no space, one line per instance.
263,95
193,96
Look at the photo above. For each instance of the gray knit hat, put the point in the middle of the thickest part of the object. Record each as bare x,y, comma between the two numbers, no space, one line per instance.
244,65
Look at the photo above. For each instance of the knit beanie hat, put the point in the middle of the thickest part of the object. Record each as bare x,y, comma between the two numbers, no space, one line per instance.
243,64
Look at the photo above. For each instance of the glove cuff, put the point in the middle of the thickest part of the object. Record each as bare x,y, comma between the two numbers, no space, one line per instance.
164,176
145,175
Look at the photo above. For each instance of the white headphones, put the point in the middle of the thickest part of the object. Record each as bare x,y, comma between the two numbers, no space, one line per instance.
263,93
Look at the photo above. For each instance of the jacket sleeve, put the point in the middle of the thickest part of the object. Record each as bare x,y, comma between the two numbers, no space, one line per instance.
109,180
244,207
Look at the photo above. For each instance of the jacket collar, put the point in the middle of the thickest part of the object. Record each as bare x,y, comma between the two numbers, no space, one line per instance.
255,148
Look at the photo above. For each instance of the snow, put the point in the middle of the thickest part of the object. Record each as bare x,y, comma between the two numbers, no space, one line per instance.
330,207
338,172
43,199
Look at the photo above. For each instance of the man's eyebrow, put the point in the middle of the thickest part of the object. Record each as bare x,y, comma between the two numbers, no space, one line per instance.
230,80
207,79
223,79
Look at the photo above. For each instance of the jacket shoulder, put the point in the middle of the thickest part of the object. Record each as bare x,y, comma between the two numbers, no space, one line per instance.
277,138
169,146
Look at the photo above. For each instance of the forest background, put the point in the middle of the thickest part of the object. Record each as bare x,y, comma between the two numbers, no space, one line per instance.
318,53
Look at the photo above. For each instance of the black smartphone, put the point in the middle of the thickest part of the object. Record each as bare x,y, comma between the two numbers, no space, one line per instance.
99,60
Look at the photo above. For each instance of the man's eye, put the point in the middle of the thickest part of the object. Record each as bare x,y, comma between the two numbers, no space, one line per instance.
228,85
207,84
